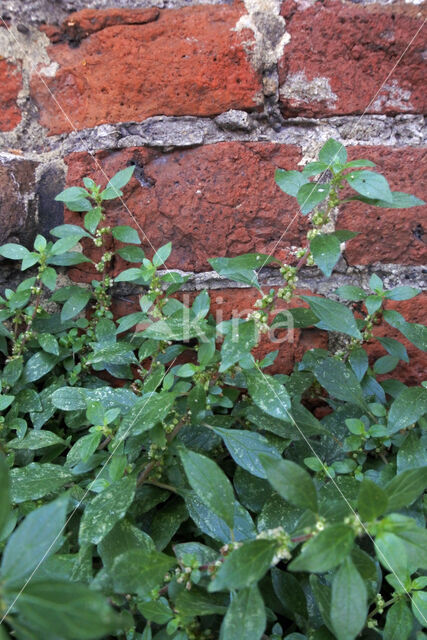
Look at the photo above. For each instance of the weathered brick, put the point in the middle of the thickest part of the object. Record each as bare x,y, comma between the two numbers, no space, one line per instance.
216,200
11,84
18,203
389,235
340,54
414,310
187,61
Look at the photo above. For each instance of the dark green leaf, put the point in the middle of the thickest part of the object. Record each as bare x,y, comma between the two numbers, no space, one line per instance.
67,610
326,550
245,448
268,394
402,293
75,303
242,268
105,509
25,550
4,492
348,604
244,566
245,617
37,480
157,611
339,381
405,488
407,408
210,483
237,343
290,593
349,292
399,622
333,316
140,571
148,410
291,481
36,440
215,527
39,365
372,500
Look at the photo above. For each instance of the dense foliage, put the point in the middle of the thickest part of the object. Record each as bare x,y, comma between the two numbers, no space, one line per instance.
155,482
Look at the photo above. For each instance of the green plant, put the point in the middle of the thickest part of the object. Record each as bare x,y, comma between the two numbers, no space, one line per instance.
155,482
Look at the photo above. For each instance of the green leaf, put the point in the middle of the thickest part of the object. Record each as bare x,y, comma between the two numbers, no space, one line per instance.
242,268
326,252
412,453
49,343
333,316
314,168
339,381
399,622
290,593
37,480
385,364
107,508
407,408
39,365
312,194
402,293
162,254
210,483
123,537
215,527
245,617
92,219
13,251
400,201
333,153
354,164
69,399
268,394
157,611
419,606
4,492
292,482
67,610
326,550
290,181
391,552
371,501
370,184
124,233
121,178
147,411
405,488
349,292
394,347
300,318
70,194
120,353
65,230
244,566
359,362
198,602
75,303
131,254
25,550
140,571
36,440
245,448
323,596
237,343
348,604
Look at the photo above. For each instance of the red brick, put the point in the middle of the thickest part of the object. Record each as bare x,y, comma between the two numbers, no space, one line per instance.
414,310
389,235
188,61
216,200
340,54
11,84
237,303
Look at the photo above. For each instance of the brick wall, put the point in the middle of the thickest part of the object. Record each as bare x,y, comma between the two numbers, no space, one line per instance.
207,99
